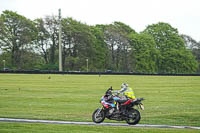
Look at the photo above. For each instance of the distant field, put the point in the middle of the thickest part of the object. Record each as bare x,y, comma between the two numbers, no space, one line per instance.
170,100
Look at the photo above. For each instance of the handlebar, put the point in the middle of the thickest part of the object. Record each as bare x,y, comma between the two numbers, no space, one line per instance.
140,99
110,88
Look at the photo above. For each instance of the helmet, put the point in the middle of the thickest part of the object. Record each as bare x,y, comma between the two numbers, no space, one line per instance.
124,85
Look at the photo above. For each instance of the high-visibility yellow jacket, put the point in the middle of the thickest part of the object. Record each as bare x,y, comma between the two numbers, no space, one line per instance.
128,92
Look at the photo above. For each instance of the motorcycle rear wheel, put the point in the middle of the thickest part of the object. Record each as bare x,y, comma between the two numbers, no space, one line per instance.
98,115
133,117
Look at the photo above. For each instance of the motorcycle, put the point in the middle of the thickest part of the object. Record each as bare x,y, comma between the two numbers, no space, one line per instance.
118,108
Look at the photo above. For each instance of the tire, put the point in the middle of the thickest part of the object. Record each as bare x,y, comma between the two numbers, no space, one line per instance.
133,117
98,116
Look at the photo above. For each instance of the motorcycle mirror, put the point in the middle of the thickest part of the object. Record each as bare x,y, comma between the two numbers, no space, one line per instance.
111,88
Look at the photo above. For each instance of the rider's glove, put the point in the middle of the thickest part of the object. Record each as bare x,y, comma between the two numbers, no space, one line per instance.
117,92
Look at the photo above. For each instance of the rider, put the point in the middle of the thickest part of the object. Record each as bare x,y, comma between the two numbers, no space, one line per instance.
126,91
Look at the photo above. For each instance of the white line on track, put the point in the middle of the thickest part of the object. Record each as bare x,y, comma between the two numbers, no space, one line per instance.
91,123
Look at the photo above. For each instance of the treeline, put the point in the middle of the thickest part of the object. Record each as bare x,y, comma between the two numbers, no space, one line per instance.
30,45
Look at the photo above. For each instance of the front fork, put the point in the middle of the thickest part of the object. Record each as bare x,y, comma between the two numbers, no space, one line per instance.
100,109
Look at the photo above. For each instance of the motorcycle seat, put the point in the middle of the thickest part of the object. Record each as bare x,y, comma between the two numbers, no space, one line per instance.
121,101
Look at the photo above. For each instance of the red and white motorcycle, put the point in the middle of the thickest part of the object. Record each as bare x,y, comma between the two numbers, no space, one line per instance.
115,108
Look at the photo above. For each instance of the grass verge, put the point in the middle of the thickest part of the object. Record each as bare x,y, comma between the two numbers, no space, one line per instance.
170,100
55,128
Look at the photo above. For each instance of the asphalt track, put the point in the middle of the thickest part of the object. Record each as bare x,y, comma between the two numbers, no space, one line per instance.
91,123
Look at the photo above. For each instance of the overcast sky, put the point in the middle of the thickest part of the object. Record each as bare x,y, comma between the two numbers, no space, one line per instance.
181,14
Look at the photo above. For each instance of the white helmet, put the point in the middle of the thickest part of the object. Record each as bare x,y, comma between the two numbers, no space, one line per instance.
124,85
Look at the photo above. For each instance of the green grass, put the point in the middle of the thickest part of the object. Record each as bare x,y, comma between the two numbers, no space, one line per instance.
53,128
170,100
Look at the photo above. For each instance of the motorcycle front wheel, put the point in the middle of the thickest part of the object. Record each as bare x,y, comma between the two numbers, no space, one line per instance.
98,115
133,117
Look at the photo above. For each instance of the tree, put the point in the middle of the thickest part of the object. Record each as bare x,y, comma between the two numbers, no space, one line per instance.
179,61
78,45
171,46
16,35
52,27
27,44
47,41
144,53
165,36
194,46
42,41
116,38
101,49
